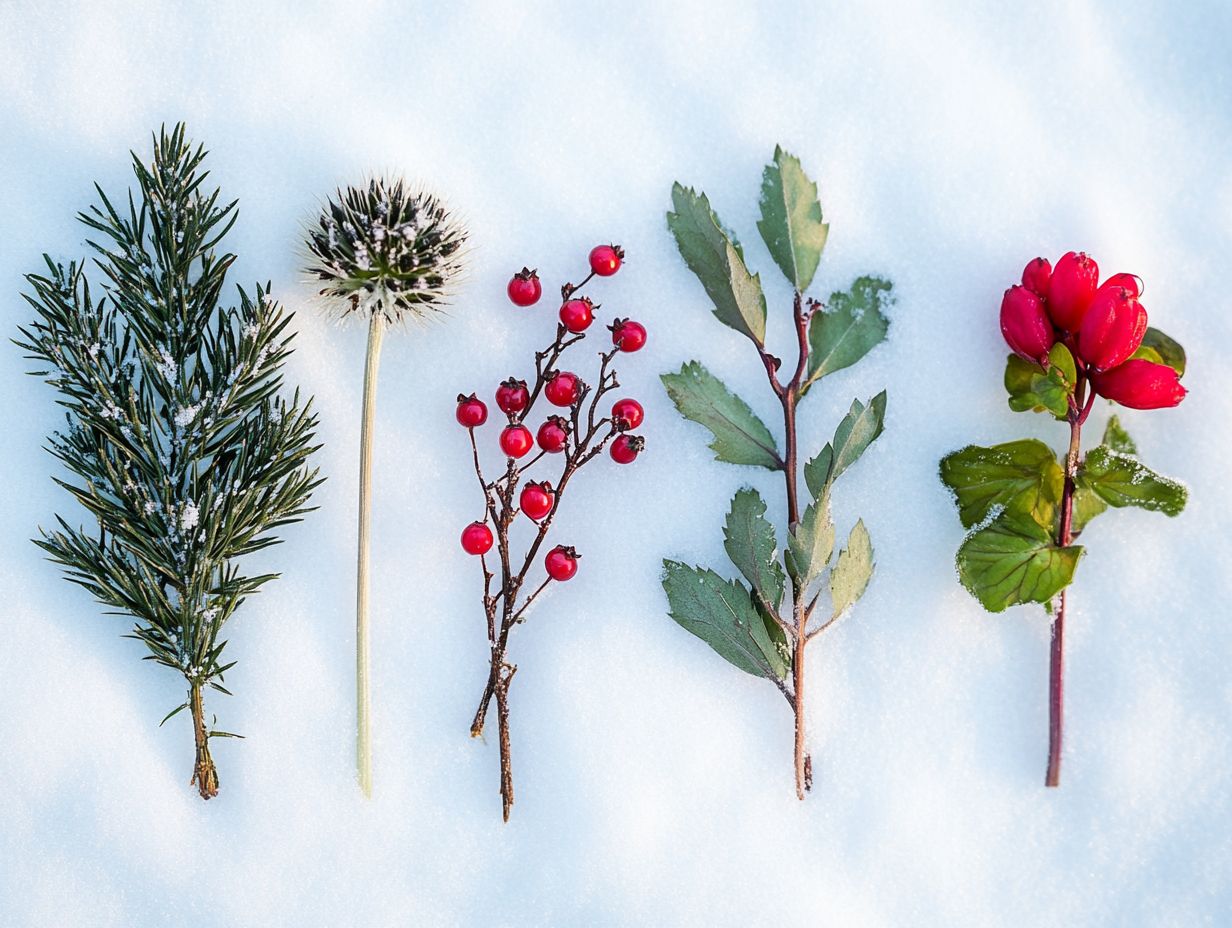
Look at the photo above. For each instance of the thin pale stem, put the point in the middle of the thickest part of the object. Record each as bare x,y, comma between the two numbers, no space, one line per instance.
363,706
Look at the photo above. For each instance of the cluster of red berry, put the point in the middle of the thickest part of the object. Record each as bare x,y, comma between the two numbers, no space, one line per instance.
1102,324
563,389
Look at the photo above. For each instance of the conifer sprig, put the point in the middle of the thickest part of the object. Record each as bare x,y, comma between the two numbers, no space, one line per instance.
177,439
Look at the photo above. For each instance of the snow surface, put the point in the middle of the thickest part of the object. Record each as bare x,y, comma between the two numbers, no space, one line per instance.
952,143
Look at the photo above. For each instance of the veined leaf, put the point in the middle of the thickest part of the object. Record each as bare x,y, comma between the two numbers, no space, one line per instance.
810,543
722,614
718,263
1121,480
859,429
791,222
1031,388
751,545
849,327
1167,349
852,571
1014,560
1022,476
739,436
1117,439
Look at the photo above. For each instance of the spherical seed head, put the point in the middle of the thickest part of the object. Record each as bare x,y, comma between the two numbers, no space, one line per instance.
386,248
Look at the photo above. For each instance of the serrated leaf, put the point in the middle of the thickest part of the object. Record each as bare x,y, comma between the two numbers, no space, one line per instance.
718,263
791,222
849,327
1117,439
852,571
857,430
1023,476
810,543
1014,560
739,436
751,545
722,614
1168,349
1032,389
1121,480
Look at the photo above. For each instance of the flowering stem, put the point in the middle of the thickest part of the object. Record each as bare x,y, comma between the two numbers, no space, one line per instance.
1065,536
363,741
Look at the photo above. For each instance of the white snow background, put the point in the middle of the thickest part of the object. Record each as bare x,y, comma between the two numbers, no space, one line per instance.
952,143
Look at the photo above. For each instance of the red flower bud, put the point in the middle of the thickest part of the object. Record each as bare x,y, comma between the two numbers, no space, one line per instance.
1140,384
1131,282
1025,324
1036,275
1071,289
1112,328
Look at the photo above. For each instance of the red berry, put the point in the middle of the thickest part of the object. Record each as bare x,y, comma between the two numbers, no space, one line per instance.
577,315
1036,275
1112,329
471,411
1071,289
552,434
563,389
605,259
1140,384
627,414
1025,324
628,335
626,448
561,562
512,396
516,440
1130,282
476,538
524,288
537,500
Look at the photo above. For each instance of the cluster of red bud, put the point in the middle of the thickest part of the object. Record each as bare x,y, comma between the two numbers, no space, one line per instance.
1102,324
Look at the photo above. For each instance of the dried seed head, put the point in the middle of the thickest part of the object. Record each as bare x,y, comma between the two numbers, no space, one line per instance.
388,249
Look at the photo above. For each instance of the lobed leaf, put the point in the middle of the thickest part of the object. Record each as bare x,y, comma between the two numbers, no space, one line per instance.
1021,476
791,222
849,327
722,614
716,260
1014,560
858,429
810,543
1121,480
739,436
751,545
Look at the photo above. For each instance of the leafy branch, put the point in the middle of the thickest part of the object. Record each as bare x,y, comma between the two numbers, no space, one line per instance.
748,623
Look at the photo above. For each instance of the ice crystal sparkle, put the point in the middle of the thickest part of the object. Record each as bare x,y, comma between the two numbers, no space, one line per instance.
386,248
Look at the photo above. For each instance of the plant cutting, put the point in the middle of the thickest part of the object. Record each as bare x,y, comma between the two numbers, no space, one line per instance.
384,253
764,624
518,508
1073,339
177,440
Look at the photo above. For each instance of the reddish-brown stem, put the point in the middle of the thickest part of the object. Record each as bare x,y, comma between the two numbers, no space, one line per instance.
1065,536
589,435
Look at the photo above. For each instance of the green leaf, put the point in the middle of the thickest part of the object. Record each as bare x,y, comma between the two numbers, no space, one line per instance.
739,436
721,613
1121,480
854,568
1022,476
1168,349
1031,388
810,543
1087,505
751,545
850,326
791,222
711,254
859,429
1117,439
1014,560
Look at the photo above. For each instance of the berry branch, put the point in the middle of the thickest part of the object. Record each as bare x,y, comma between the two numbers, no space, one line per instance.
1073,339
580,437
